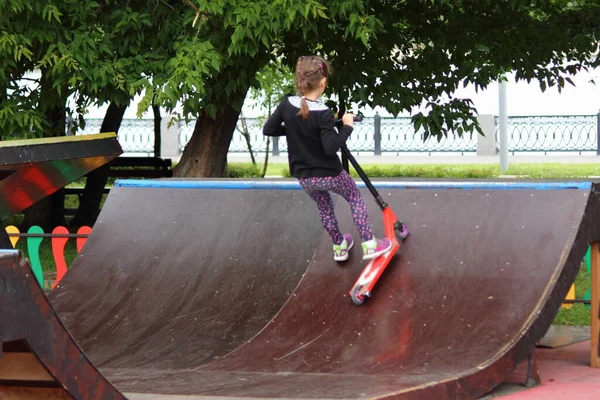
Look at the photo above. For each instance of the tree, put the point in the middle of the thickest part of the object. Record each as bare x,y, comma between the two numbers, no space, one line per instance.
35,38
149,31
216,64
201,58
275,81
94,52
61,42
96,180
398,55
424,51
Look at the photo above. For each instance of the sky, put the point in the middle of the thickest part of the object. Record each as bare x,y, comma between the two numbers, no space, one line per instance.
522,99
528,99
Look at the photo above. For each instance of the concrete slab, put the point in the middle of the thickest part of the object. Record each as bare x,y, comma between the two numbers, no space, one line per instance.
562,335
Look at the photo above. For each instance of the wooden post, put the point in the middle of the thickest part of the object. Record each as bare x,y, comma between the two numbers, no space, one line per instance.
595,300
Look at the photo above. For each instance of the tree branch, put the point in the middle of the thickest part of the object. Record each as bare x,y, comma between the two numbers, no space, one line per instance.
166,4
189,3
30,79
199,13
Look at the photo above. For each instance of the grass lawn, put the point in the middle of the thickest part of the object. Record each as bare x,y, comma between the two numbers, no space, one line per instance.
578,314
473,171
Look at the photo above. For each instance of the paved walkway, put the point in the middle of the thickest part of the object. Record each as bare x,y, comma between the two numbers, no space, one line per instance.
565,373
444,159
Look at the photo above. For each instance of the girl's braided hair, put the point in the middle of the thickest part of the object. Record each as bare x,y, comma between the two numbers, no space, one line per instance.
309,72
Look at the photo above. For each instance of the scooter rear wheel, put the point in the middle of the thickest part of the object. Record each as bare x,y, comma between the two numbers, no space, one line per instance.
401,230
356,297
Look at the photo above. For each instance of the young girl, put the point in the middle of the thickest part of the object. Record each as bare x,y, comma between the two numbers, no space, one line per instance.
313,143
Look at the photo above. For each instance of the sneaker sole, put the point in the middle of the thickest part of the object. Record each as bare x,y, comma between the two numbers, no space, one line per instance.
344,258
375,255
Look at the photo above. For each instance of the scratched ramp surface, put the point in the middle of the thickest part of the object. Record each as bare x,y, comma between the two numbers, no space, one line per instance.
170,279
473,289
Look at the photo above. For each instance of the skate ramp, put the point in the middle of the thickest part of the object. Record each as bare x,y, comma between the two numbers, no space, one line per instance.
172,279
476,285
32,169
38,357
228,289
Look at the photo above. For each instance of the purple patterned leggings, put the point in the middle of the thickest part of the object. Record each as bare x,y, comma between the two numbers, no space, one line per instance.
342,184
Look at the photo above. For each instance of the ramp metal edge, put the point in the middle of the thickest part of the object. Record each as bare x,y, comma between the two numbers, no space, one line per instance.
293,185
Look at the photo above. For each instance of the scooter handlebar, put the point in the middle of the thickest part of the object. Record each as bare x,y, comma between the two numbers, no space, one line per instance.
357,118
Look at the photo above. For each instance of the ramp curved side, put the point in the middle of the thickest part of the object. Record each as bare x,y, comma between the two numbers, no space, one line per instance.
39,358
174,278
473,289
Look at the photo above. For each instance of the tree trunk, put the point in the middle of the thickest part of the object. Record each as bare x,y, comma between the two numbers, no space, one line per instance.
4,240
266,163
3,135
49,212
246,135
89,205
205,155
157,137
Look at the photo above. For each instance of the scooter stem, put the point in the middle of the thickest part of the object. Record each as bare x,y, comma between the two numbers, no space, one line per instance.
382,204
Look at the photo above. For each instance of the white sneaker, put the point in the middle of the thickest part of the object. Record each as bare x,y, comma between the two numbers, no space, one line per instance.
341,251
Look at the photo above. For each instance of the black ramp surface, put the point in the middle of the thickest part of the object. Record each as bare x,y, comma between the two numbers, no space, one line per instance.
174,278
473,289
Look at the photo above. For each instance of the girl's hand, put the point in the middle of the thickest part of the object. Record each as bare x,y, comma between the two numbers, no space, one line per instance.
348,119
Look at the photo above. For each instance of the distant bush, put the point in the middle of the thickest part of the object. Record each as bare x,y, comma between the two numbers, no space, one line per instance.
457,171
428,171
243,170
422,171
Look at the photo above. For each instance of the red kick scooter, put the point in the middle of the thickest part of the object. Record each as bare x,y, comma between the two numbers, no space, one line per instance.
394,230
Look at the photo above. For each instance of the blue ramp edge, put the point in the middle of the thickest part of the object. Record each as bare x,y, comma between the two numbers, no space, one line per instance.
293,185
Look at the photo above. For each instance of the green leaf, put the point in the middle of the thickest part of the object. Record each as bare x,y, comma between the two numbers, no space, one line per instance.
211,110
322,13
306,10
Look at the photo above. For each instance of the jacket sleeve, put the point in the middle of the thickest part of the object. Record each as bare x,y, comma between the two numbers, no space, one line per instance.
331,139
274,125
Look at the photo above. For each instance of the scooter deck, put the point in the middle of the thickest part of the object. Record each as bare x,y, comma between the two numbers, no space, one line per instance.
371,273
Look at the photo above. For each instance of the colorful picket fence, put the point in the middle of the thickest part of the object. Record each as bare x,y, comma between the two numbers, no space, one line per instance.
588,295
59,238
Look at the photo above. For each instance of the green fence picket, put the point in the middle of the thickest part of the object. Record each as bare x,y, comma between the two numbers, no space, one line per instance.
588,265
33,249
